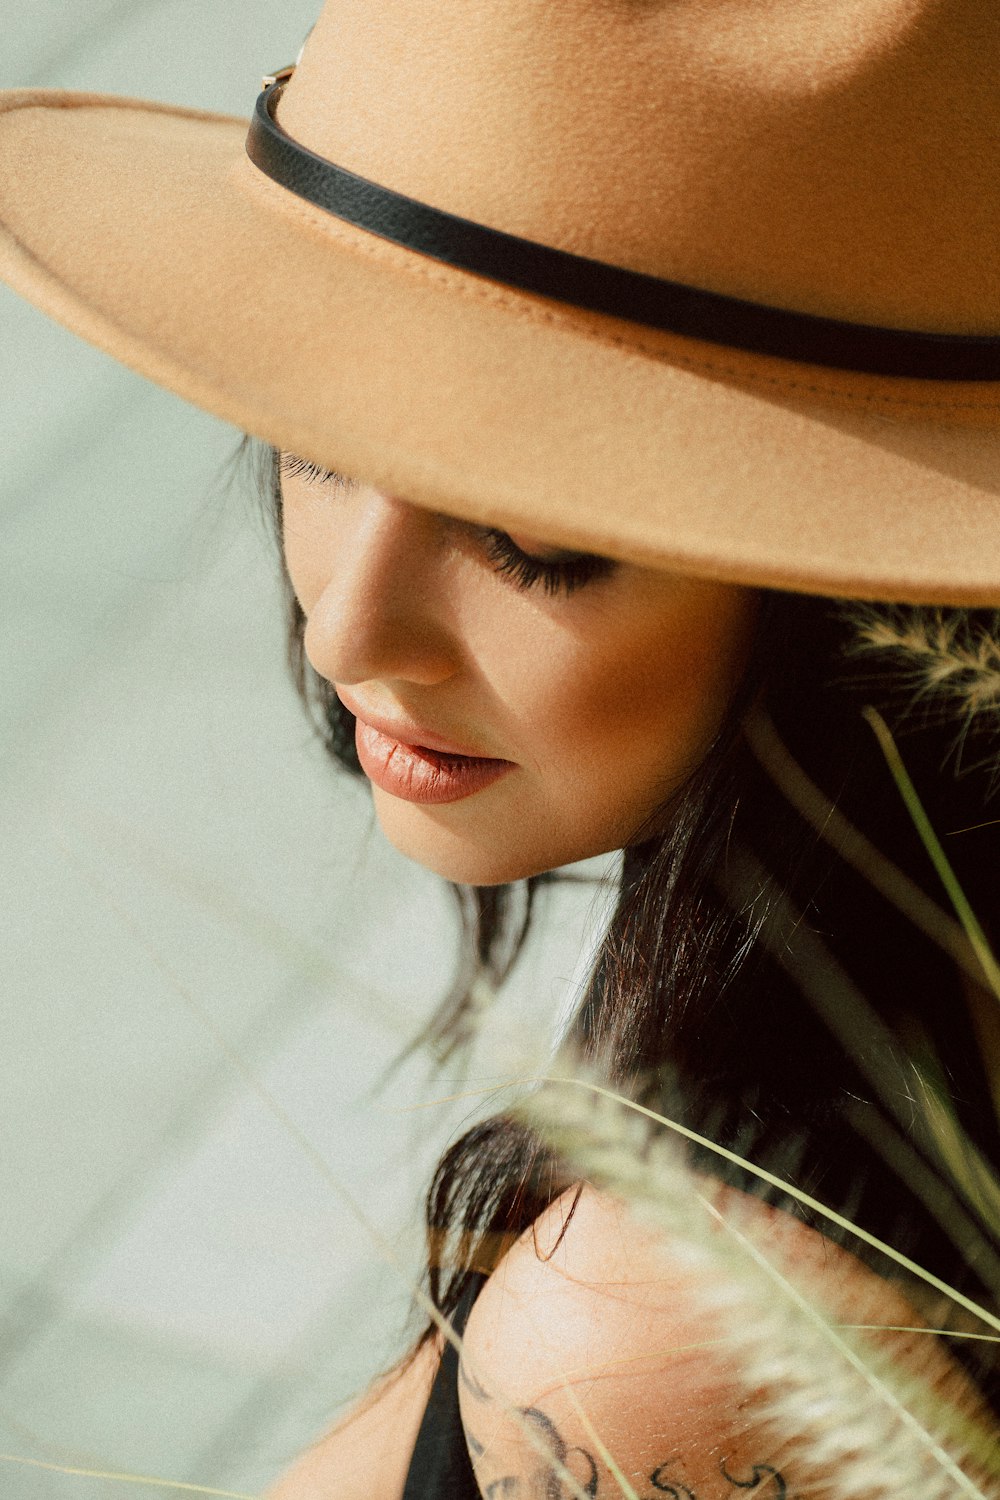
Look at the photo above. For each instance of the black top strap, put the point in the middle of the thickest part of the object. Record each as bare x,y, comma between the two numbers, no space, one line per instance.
440,1466
604,288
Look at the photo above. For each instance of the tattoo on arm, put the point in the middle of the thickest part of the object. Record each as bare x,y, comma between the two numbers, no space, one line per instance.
664,1485
759,1475
470,1383
546,1481
564,1455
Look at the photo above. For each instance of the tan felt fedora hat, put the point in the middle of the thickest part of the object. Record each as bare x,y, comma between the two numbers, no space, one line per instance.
713,284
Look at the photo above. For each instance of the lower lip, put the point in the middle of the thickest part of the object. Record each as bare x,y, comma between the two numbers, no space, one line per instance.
420,775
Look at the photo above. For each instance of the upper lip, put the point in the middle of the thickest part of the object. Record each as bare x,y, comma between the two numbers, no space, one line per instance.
408,732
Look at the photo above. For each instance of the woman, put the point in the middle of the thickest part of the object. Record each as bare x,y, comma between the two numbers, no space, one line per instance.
620,328
693,1008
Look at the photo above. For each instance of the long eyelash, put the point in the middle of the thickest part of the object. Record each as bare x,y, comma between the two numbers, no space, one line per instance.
291,464
562,575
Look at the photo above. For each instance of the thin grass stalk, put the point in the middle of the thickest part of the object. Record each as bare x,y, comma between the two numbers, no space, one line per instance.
598,1143
868,860
813,1204
868,1042
311,1153
855,847
123,1477
910,796
961,1156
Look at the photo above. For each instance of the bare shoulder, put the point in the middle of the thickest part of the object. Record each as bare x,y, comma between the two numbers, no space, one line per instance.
367,1453
594,1345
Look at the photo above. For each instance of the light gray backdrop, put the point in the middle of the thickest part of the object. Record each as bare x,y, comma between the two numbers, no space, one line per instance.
209,958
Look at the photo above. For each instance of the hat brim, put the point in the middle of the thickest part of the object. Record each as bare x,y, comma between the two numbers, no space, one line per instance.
146,230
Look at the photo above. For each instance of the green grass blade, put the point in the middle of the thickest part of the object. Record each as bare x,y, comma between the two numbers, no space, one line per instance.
932,844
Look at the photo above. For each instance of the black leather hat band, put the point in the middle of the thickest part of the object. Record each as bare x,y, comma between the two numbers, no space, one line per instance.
603,288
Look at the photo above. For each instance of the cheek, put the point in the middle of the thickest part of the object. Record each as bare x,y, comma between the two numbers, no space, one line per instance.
619,720
671,697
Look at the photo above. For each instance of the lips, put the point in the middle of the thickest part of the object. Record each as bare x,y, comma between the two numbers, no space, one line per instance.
418,765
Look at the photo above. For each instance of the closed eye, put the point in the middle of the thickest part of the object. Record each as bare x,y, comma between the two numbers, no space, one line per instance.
561,573
291,465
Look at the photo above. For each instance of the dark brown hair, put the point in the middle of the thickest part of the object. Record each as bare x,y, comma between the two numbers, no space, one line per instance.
705,1000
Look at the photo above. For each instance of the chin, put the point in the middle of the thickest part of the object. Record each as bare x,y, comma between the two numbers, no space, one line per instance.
468,864
480,854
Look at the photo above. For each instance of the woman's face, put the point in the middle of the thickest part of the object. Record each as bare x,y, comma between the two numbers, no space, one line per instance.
519,707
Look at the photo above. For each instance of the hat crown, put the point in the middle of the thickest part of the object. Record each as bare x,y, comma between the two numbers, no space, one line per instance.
839,157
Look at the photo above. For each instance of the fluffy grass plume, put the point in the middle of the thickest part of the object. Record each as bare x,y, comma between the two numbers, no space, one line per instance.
847,1411
946,661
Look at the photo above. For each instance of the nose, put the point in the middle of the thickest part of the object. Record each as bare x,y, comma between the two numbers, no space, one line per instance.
380,613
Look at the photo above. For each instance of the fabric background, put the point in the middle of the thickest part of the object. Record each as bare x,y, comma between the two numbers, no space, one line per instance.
206,947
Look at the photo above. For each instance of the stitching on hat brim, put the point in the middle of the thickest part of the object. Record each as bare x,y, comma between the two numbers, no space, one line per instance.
524,305
466,284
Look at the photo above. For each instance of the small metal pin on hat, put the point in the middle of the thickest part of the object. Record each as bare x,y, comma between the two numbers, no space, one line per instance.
281,76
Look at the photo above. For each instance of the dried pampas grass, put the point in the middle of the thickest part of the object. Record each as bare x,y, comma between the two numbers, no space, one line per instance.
945,661
851,1416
